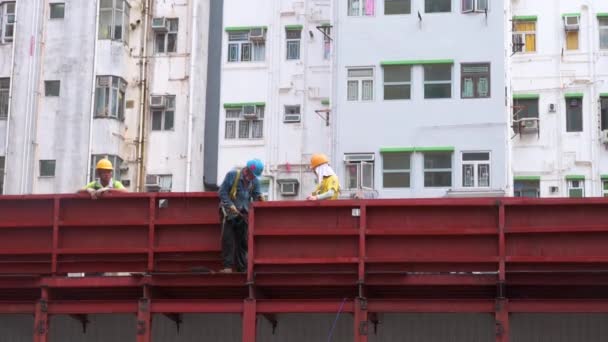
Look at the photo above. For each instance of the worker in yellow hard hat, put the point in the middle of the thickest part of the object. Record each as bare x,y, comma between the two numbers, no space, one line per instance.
328,184
105,182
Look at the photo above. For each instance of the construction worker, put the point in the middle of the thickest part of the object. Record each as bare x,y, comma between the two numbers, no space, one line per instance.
328,184
105,182
239,188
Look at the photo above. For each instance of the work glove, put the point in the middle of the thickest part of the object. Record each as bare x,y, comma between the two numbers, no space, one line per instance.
92,193
233,211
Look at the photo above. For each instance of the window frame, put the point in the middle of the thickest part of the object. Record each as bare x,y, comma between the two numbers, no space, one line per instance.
432,12
476,78
171,31
578,42
361,9
475,7
476,164
603,31
53,5
603,103
406,171
52,163
440,82
161,177
49,85
2,166
4,95
572,187
403,83
437,170
524,35
163,114
119,15
604,182
254,47
361,163
237,124
360,81
5,23
526,190
111,91
287,109
569,113
293,42
408,12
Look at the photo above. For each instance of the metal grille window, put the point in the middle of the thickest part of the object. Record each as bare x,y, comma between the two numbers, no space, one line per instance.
437,169
526,188
438,81
244,127
576,188
114,20
358,8
51,88
243,48
5,84
110,97
47,168
476,169
604,187
475,80
293,43
162,118
436,6
603,111
7,22
57,10
2,159
396,170
474,6
397,6
360,84
115,160
166,42
603,24
524,36
397,82
574,114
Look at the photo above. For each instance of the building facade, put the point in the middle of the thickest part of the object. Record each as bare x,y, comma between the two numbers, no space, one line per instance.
84,80
560,98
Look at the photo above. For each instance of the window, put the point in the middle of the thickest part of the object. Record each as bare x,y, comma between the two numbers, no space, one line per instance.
358,8
397,82
438,81
57,10
603,109
292,114
436,6
576,188
7,22
247,45
159,183
167,41
163,117
574,114
524,36
525,108
604,187
526,188
114,20
5,84
476,169
47,168
110,97
293,43
288,187
326,42
244,122
603,23
396,170
115,160
475,80
2,175
437,169
359,170
51,88
360,84
397,7
474,6
572,40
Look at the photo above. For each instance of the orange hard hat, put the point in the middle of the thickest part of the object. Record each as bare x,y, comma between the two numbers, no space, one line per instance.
318,159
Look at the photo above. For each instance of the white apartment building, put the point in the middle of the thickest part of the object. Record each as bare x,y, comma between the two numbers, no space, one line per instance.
82,80
275,88
560,98
420,98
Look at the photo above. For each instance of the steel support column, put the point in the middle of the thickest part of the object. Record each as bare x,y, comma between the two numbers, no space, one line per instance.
249,320
41,322
501,314
144,333
361,323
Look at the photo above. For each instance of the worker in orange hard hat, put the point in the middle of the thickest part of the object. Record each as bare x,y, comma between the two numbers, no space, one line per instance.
328,184
105,182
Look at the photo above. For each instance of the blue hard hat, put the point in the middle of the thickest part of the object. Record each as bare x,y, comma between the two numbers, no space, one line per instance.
256,166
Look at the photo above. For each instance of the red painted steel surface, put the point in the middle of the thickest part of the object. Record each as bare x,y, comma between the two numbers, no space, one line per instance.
420,255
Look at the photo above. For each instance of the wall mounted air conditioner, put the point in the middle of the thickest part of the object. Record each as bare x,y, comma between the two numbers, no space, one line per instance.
159,24
157,101
571,22
249,112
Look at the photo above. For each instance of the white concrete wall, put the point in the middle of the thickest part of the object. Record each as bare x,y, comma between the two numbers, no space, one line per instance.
465,124
551,73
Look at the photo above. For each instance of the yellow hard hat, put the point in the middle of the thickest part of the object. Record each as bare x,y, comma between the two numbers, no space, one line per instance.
318,159
104,164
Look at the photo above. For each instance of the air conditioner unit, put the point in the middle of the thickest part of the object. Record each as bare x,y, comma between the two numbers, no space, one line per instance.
152,183
571,22
359,157
528,124
288,187
604,136
257,33
292,117
553,189
159,24
103,81
249,112
157,101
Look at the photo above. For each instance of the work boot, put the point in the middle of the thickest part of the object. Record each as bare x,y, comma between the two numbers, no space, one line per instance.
226,270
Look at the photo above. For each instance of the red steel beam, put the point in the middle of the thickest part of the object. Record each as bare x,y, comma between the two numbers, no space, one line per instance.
431,306
558,306
196,306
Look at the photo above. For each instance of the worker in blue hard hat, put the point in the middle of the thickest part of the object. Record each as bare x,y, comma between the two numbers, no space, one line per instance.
239,188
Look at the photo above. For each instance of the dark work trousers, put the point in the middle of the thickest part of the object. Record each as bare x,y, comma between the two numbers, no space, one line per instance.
234,244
